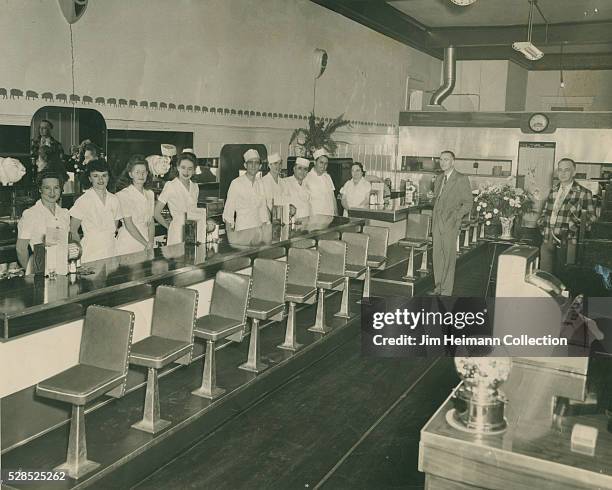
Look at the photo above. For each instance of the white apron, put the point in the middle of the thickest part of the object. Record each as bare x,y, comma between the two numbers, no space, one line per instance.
179,201
98,221
139,207
321,188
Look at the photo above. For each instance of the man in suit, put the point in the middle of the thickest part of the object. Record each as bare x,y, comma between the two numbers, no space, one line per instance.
562,210
452,201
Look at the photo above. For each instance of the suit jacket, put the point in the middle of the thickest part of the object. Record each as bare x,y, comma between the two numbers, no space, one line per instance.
454,202
578,199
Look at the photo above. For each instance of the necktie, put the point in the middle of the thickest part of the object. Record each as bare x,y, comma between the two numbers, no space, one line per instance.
443,184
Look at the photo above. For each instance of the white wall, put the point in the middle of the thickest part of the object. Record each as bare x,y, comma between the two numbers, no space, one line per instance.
480,86
591,89
217,53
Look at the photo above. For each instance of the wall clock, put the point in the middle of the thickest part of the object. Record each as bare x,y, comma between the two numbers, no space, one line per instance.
538,123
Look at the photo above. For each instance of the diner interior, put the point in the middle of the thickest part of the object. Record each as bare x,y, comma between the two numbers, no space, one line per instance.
227,345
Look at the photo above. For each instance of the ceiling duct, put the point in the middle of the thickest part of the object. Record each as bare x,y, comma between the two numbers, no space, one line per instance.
448,84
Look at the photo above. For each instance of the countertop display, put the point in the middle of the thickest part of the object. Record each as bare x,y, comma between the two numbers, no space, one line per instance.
391,212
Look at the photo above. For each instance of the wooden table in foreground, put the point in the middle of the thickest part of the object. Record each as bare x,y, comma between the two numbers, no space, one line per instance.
533,453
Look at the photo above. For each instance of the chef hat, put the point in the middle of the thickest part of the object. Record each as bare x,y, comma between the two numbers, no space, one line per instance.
11,170
168,150
188,150
302,162
321,152
251,155
274,158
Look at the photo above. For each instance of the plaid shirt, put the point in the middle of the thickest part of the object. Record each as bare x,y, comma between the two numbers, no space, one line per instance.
578,199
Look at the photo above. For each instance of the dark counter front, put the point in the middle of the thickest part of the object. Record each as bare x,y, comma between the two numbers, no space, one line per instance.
31,303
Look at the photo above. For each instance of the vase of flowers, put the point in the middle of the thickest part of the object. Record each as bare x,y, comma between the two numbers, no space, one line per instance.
502,204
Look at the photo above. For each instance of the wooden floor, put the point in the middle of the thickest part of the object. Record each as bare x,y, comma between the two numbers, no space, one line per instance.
346,422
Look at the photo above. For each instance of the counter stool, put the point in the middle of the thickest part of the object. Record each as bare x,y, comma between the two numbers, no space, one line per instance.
304,243
377,253
465,227
171,340
330,235
418,229
332,264
301,288
352,229
267,302
356,263
474,228
102,369
227,316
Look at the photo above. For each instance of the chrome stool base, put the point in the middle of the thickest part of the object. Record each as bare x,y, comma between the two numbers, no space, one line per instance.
254,364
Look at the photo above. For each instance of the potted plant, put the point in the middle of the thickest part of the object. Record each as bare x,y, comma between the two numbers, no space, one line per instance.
317,135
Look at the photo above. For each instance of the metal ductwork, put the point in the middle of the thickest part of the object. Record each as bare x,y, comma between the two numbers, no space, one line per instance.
450,75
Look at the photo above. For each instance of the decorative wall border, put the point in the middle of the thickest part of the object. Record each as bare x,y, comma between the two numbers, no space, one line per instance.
126,103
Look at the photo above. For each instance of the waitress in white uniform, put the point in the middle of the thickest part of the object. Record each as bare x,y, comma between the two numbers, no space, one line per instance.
46,213
181,195
245,206
356,192
98,213
320,185
137,203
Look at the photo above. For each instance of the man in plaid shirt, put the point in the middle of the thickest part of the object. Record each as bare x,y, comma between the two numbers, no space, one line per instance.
563,208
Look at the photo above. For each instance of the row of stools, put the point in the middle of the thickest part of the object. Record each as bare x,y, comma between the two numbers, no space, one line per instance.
106,348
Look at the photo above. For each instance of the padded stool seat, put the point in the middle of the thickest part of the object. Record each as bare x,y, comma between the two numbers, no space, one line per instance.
102,369
80,384
301,288
376,261
171,340
413,242
377,253
215,327
419,227
353,271
329,281
227,317
156,352
299,294
267,302
330,235
262,309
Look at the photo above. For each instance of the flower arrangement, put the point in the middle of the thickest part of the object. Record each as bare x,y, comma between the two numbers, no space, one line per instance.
317,135
501,201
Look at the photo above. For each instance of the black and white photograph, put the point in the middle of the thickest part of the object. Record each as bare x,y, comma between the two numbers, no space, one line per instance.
306,244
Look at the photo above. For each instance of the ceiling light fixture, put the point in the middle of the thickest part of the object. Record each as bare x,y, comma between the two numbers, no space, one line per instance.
526,47
463,3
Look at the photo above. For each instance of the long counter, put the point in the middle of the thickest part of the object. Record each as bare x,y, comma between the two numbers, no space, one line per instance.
31,303
392,216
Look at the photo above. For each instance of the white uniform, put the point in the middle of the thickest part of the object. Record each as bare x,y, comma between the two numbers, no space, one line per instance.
271,191
244,199
139,207
34,223
98,221
356,194
321,190
298,195
179,201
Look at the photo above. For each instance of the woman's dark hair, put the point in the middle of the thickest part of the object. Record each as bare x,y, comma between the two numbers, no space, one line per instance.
98,165
49,174
186,156
92,148
125,180
360,165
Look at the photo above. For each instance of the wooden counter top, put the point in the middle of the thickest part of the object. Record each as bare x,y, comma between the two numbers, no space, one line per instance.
30,303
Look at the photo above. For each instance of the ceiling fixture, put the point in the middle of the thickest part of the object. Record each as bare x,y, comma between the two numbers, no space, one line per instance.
526,47
463,3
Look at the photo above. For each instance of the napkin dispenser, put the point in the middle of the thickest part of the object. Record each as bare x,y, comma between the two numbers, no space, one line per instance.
51,256
194,230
